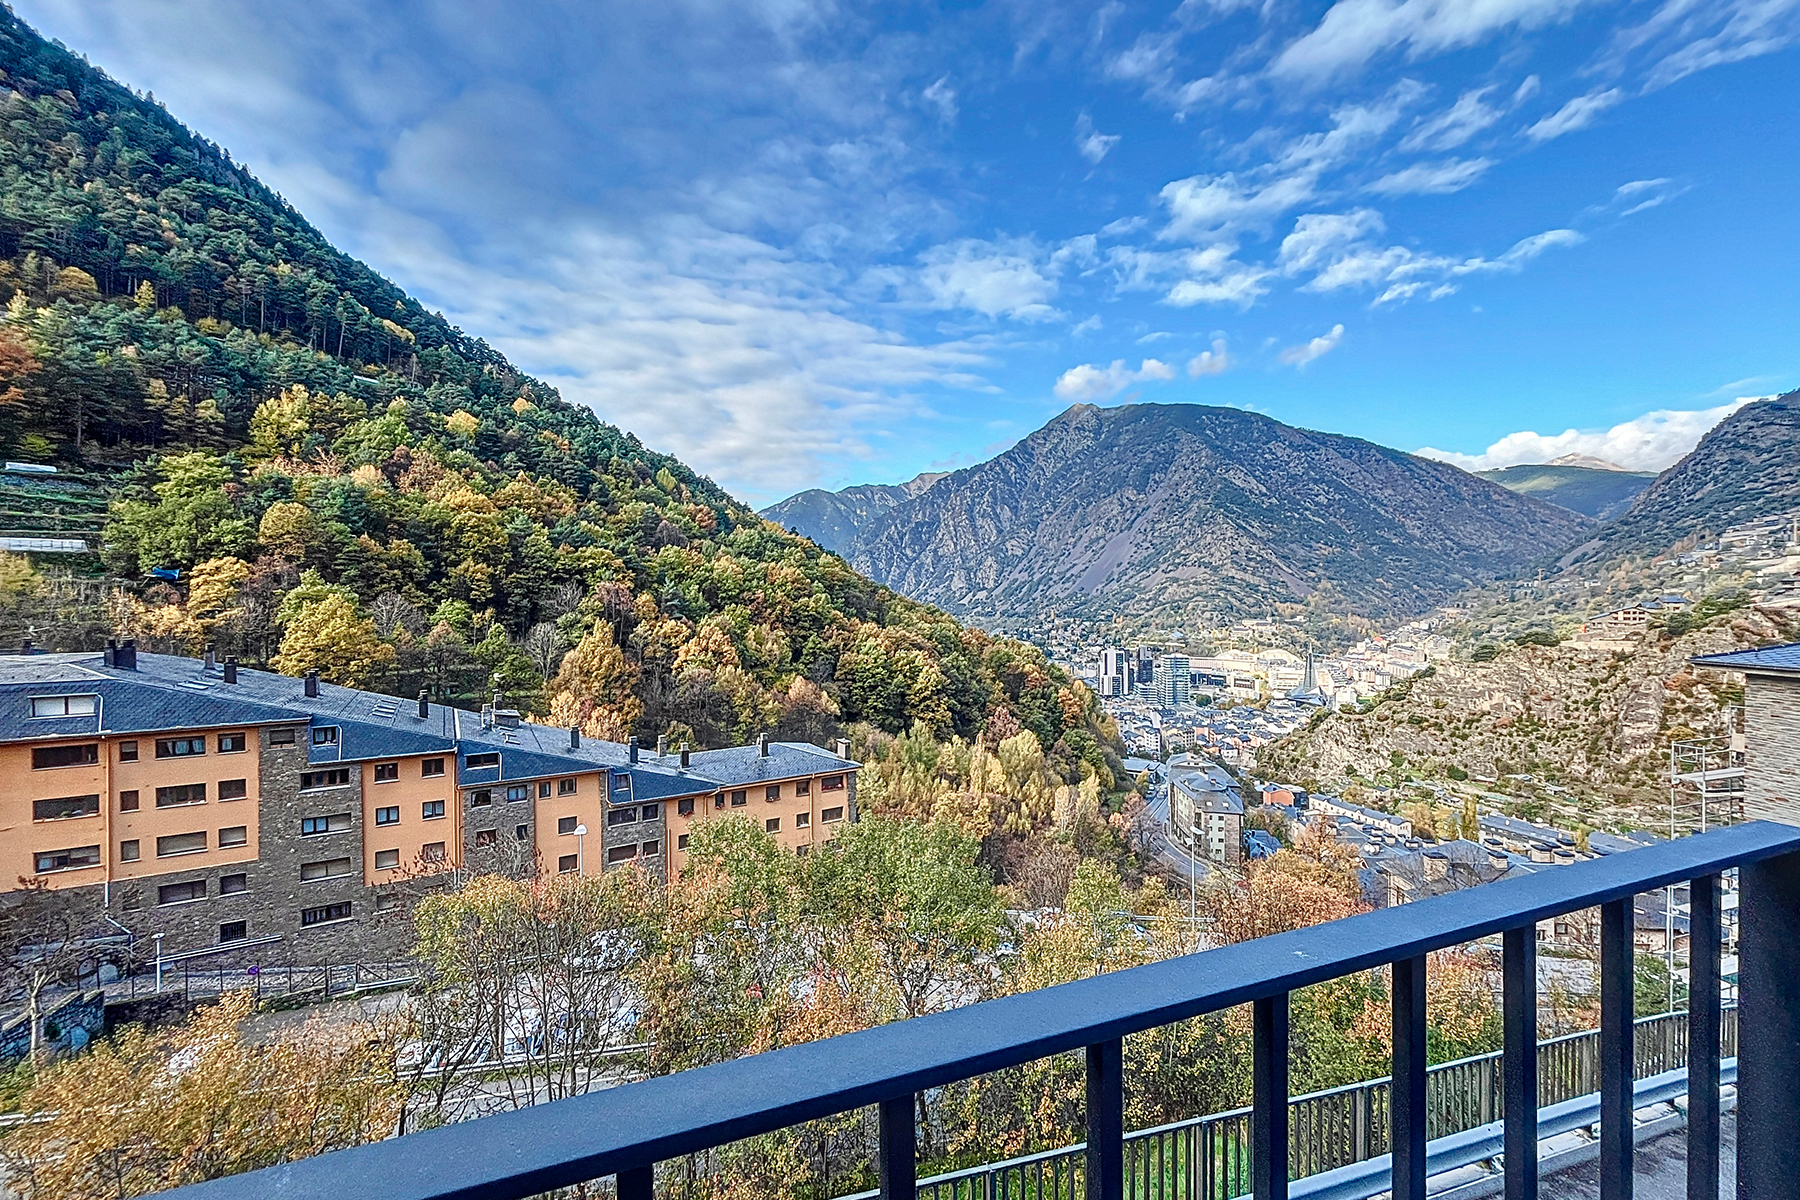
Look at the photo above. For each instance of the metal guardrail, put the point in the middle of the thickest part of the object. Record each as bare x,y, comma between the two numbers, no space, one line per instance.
1206,1158
625,1131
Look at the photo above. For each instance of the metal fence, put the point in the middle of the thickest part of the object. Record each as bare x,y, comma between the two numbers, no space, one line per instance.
195,982
1208,1158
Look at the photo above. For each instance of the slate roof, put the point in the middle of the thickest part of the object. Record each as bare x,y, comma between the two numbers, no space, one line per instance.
1770,660
168,692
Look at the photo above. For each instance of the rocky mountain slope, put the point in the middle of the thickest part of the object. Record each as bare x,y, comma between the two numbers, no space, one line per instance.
833,519
1747,467
1600,492
1200,514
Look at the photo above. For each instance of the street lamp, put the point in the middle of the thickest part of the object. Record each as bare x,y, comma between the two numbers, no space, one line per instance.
158,938
581,849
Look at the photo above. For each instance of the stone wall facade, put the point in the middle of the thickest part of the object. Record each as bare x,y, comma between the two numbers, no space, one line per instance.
1772,729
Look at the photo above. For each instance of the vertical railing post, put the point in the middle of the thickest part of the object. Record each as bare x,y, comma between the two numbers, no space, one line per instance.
1519,1062
1703,1039
1269,1111
1406,1095
639,1183
1768,1030
1617,1059
897,1154
1106,1121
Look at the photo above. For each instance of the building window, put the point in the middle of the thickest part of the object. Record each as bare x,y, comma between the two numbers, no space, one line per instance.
387,860
233,789
281,737
485,837
69,860
651,812
431,810
522,833
619,854
128,752
62,706
333,823
178,794
802,850
181,893
832,783
128,851
681,842
772,825
772,792
65,806
827,816
388,816
325,735
740,796
652,849
685,807
621,783
719,800
330,868
336,777
387,902
236,835
180,843
568,863
186,747
325,914
128,801
45,757
622,816
802,787
387,772
431,768
565,787
543,789
802,820
432,852
566,824
232,885
234,931
518,792
231,743
481,798
476,761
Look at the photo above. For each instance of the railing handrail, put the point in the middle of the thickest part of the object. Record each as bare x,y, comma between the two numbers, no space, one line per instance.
634,1126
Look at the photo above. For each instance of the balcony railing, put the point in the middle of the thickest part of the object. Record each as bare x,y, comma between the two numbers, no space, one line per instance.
626,1131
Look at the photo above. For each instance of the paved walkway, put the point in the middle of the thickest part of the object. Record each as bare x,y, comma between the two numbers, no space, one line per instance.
1661,1170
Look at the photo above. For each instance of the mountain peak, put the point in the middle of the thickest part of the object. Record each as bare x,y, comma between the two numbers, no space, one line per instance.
1585,460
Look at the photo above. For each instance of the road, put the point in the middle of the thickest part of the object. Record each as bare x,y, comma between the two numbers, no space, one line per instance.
1169,852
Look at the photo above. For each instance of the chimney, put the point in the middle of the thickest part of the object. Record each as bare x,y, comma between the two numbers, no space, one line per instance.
496,705
487,716
1497,859
125,657
1437,865
231,669
211,659
25,646
684,756
631,747
762,744
662,745
112,649
312,684
843,748
424,704
574,737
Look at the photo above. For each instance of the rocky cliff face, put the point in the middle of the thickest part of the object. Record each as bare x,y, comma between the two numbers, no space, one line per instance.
1195,513
1747,467
833,519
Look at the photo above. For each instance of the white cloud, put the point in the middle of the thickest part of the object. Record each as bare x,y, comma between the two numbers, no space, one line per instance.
1214,276
942,97
1641,194
1093,144
1210,362
1578,113
1651,442
1088,382
994,279
1202,205
1436,179
1353,32
1319,347
1455,125
1317,237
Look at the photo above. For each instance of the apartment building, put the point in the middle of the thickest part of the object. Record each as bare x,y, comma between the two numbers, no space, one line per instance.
213,804
1771,729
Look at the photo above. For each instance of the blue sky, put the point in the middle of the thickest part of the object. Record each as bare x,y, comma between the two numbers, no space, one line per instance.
802,244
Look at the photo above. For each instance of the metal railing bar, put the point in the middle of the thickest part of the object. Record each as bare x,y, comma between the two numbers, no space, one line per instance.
1617,1060
1269,1092
1519,1061
1406,1094
538,1149
897,1148
1703,1039
1105,1147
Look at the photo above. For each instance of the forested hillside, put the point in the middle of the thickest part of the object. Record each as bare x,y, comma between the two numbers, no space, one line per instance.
322,474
